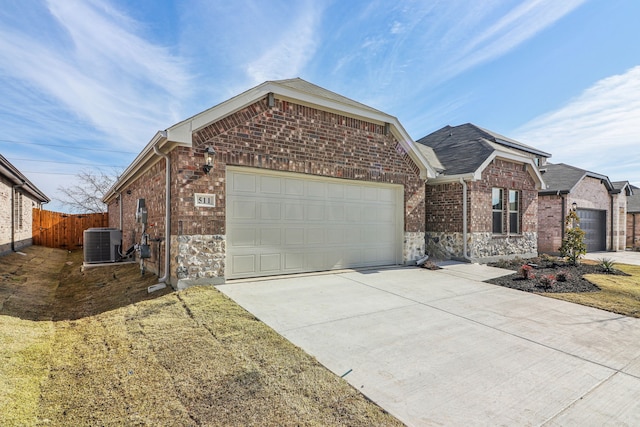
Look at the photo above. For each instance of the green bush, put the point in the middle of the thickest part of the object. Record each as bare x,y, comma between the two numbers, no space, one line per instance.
573,246
607,265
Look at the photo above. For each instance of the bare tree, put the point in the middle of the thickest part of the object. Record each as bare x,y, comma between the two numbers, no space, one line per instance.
86,195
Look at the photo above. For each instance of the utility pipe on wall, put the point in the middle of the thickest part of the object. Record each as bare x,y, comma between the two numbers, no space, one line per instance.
464,219
167,214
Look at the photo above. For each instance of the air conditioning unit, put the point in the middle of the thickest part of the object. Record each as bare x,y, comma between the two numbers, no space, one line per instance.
102,245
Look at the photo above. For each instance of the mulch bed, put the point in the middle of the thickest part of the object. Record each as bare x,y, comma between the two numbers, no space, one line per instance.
574,279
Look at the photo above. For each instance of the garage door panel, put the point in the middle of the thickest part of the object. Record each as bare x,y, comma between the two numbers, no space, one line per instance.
287,223
294,236
335,191
270,211
370,193
594,224
353,193
314,212
243,264
244,209
294,212
270,185
270,237
243,182
315,236
243,237
315,189
294,187
270,263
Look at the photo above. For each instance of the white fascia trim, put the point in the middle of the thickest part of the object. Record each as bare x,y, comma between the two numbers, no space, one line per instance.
447,179
159,139
532,169
182,132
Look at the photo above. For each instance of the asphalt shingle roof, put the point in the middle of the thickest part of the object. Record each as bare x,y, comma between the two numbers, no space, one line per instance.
563,178
462,149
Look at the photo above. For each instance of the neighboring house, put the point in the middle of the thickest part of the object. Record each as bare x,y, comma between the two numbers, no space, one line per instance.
633,219
599,203
18,196
286,177
483,205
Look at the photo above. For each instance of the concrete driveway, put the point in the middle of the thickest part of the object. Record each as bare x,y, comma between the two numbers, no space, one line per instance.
443,348
622,257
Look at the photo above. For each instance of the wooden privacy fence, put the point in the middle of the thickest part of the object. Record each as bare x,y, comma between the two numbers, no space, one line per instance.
64,231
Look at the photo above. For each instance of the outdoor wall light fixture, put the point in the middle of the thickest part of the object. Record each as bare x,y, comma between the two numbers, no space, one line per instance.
208,155
574,206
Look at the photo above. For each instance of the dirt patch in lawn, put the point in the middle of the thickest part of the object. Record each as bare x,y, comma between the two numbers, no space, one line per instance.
93,348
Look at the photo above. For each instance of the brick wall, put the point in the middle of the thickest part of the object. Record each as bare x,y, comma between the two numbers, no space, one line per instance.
550,223
633,230
286,137
5,215
444,222
295,138
150,186
22,232
444,207
508,176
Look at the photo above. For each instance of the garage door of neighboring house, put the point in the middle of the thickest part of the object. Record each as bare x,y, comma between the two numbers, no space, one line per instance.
281,223
594,223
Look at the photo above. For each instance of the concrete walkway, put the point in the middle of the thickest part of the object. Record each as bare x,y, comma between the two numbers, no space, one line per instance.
622,257
443,348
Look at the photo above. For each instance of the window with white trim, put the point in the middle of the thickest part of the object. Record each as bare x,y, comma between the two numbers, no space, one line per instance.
514,212
496,202
17,210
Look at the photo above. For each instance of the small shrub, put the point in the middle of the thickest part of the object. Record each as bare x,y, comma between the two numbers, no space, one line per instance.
547,281
563,276
503,263
573,245
430,265
607,265
548,258
526,272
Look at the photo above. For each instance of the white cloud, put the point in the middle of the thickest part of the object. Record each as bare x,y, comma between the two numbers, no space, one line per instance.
291,51
100,71
511,30
599,130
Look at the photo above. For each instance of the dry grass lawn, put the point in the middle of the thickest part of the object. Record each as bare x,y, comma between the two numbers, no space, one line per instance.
619,294
94,348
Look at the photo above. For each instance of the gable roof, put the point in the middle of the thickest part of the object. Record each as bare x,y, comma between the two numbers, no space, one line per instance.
14,175
467,149
620,186
297,90
563,178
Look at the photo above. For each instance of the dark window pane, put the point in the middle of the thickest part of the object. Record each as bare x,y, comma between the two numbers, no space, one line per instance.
497,222
513,223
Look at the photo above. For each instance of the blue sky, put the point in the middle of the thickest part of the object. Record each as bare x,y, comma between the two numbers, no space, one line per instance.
86,84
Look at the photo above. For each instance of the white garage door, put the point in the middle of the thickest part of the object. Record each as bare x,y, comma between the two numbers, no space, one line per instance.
281,223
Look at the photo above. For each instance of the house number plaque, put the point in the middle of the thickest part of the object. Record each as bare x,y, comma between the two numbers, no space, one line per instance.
205,200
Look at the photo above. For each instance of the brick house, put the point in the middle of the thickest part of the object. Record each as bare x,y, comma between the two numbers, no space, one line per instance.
600,204
18,196
483,205
633,219
286,177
